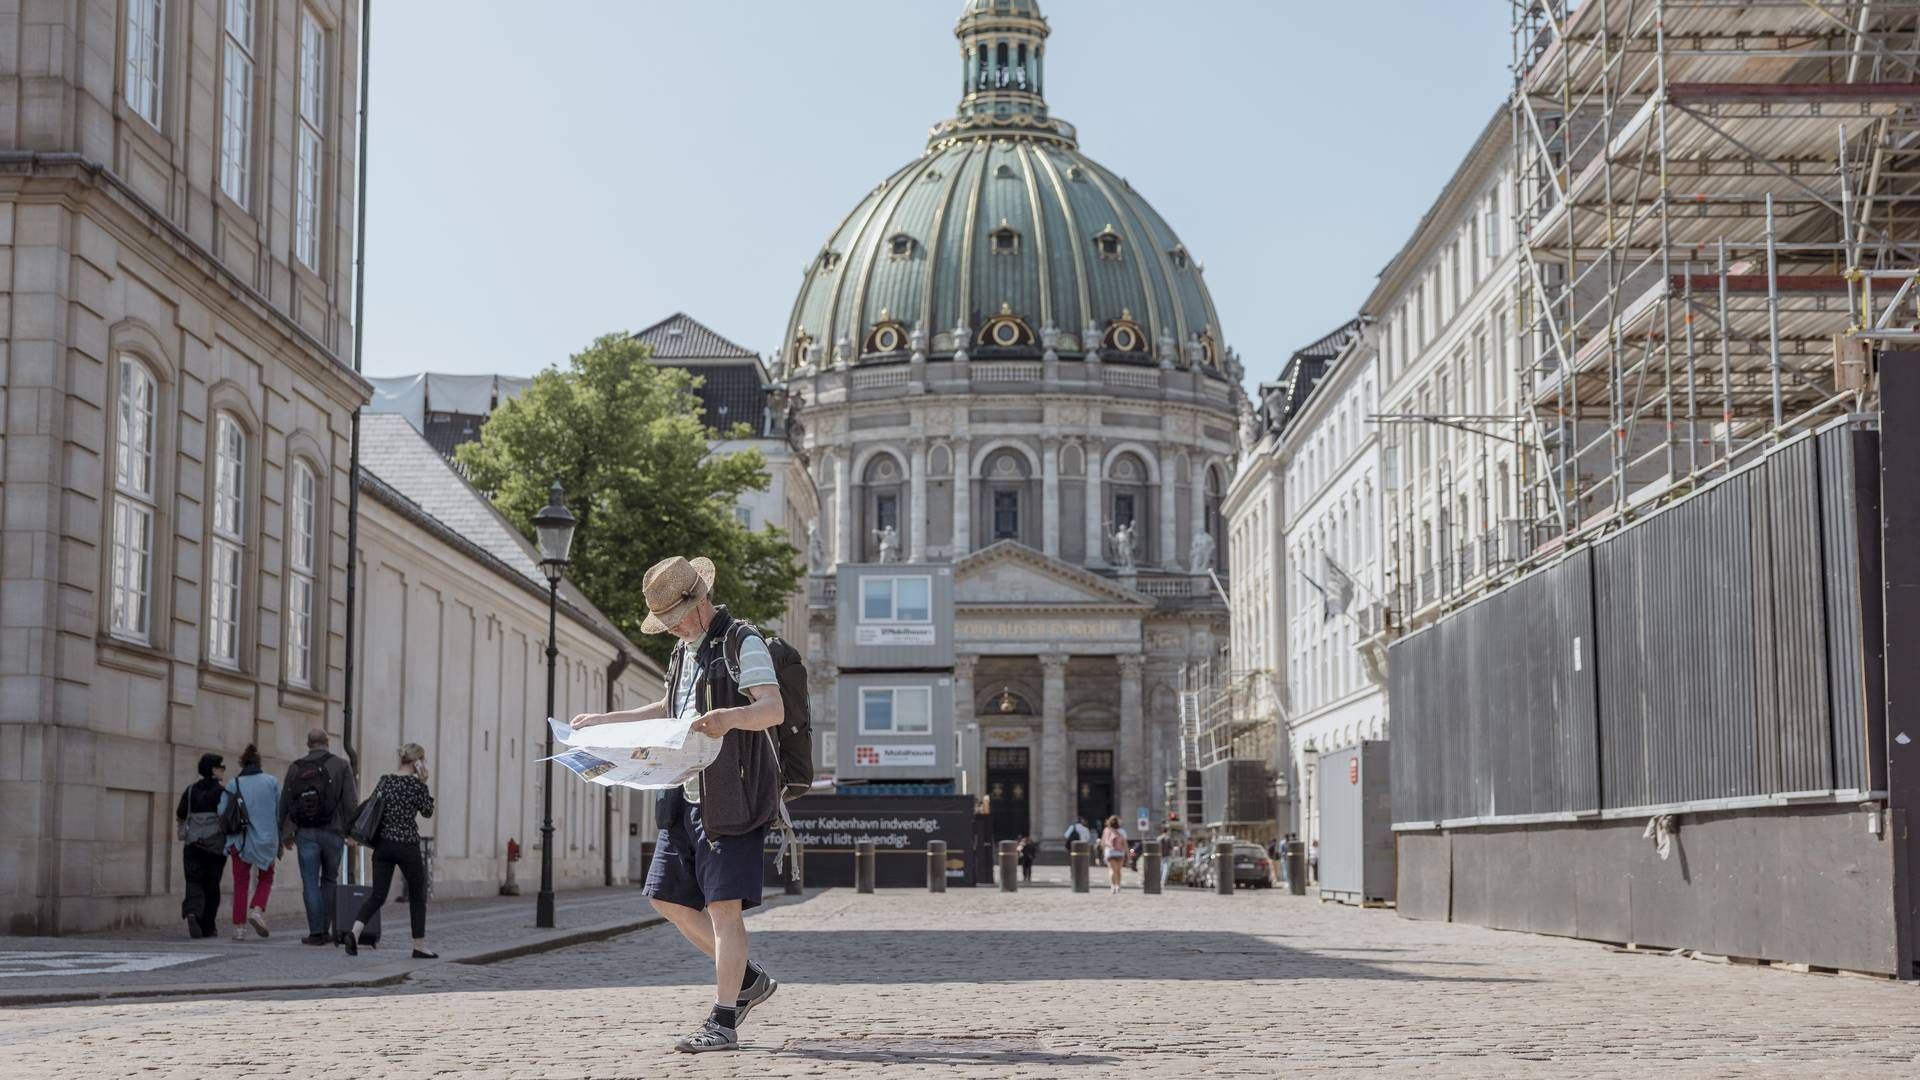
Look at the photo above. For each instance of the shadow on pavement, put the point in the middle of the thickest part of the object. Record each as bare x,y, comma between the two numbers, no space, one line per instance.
922,1051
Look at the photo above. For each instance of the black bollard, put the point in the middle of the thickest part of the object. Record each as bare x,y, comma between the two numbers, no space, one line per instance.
863,866
1078,859
796,873
1296,855
1150,866
1009,870
1223,869
936,866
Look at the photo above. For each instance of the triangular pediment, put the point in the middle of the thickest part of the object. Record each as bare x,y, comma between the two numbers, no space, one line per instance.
1012,573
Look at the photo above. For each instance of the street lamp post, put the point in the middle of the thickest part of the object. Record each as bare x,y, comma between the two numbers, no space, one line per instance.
554,526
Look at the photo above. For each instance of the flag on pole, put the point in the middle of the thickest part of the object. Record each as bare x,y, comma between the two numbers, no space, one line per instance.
1326,599
1340,587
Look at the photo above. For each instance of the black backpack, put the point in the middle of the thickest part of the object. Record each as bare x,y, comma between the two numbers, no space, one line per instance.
314,801
794,736
235,820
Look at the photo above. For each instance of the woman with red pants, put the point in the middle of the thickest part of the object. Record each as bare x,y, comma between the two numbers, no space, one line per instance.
254,851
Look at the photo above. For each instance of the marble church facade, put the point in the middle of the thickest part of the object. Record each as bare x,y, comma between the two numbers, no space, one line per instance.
1005,360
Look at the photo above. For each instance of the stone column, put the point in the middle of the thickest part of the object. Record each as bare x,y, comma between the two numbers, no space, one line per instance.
1050,497
966,725
1169,520
917,501
1054,778
1096,510
842,510
962,499
1130,791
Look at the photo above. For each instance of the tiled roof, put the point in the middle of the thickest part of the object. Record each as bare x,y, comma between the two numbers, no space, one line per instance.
681,337
406,473
1281,401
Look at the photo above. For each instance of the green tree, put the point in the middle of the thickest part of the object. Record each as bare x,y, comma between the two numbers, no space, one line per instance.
626,440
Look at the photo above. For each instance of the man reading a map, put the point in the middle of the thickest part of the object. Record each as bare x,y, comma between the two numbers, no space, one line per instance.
706,869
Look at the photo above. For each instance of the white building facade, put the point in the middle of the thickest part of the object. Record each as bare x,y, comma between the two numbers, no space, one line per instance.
1332,550
1457,458
1302,517
1391,478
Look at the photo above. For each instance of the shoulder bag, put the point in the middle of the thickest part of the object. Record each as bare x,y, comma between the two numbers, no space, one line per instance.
370,817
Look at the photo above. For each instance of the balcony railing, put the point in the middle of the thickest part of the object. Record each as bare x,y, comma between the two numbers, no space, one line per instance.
1133,378
1019,371
881,377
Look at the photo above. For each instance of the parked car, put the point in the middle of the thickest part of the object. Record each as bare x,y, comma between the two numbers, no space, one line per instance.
1251,866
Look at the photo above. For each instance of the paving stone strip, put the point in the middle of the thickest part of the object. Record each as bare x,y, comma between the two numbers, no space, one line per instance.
1043,983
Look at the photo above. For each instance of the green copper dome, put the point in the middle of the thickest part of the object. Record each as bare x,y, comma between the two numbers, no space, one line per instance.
1003,240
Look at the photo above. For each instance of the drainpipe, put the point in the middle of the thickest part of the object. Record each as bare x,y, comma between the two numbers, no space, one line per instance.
614,671
353,461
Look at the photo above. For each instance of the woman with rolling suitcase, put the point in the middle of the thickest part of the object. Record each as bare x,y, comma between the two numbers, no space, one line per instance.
398,801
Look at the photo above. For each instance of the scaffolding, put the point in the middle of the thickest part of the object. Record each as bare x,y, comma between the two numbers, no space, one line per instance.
1719,210
1226,714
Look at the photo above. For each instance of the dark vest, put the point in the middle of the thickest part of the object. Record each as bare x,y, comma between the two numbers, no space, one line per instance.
740,791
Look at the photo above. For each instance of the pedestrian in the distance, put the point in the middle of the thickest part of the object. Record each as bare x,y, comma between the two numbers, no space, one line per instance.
1113,842
254,851
316,806
1027,848
406,800
1313,861
707,863
203,858
1078,833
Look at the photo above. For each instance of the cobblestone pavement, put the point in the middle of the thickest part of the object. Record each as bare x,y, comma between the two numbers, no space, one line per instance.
1044,983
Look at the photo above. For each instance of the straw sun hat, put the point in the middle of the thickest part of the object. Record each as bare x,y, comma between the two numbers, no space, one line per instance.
673,588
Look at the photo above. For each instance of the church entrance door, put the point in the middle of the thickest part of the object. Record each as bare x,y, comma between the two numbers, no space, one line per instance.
1096,786
1008,781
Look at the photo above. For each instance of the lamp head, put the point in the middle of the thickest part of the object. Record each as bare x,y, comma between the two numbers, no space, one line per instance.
554,526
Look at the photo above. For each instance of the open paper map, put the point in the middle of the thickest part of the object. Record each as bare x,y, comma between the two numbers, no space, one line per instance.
645,754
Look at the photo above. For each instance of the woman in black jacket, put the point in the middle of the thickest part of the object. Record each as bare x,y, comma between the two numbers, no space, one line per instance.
203,857
399,845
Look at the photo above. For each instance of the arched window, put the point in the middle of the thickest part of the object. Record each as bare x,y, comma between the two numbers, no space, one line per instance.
1006,478
302,503
882,480
1128,490
227,549
135,503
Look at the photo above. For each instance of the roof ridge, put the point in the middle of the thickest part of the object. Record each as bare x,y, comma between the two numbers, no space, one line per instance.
728,347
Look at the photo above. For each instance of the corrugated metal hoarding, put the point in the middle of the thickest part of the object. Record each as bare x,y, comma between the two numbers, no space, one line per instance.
1494,708
1718,650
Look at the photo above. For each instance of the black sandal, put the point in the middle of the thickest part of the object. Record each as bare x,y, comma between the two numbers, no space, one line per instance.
422,954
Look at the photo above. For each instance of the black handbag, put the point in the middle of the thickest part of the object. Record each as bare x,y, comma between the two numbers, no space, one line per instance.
234,819
369,818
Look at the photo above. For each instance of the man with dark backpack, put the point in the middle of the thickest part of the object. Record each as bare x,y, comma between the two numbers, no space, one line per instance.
707,864
316,801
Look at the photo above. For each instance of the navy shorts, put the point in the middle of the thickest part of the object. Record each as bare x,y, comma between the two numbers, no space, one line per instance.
689,871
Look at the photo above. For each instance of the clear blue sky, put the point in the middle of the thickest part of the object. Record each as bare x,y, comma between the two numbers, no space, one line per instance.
537,179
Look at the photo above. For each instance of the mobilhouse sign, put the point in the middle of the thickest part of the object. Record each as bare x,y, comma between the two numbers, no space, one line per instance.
894,634
911,755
